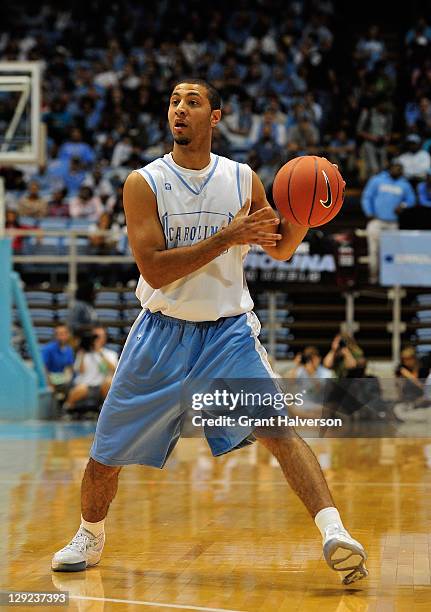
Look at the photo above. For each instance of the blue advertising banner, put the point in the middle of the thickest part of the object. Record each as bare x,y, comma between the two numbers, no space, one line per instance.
405,258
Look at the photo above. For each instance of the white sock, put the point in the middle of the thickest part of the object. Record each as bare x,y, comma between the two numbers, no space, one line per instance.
326,517
95,528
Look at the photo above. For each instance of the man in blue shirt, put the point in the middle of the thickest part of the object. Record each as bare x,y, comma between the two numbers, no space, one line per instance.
58,357
385,195
76,147
424,191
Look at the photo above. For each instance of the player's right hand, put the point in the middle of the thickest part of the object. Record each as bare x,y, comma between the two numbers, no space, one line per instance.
257,228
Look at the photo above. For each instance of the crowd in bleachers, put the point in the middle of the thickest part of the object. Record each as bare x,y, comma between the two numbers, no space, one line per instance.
291,84
108,71
80,343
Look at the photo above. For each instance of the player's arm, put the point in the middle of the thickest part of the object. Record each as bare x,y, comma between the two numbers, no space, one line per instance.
160,266
292,235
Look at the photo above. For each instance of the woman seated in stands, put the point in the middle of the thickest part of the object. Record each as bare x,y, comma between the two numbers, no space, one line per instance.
410,374
414,388
101,244
94,367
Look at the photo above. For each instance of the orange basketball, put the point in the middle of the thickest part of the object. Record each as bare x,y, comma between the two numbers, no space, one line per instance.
308,190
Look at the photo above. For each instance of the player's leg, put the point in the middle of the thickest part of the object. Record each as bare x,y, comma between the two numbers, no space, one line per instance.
303,473
301,469
139,423
234,354
98,489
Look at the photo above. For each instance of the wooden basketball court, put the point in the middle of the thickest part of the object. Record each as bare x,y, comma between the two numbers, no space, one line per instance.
225,534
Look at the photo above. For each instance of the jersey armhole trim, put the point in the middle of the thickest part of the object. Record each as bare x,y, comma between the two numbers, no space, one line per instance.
150,178
238,185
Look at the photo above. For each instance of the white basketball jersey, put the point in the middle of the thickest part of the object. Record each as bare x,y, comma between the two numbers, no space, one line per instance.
194,205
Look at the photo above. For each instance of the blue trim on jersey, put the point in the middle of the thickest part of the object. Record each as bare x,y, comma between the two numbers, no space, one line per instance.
238,185
184,182
195,212
152,181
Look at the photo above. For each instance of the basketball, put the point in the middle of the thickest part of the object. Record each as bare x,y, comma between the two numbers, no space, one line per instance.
309,191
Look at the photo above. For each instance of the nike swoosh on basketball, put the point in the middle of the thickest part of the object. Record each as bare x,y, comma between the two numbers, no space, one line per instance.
328,202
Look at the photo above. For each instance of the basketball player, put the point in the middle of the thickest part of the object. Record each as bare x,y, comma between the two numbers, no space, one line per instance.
191,216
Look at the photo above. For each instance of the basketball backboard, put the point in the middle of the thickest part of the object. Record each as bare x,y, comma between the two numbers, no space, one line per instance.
20,113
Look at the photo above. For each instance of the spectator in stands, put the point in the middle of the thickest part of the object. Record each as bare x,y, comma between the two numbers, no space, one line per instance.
271,126
12,222
418,42
374,129
32,204
122,151
415,161
58,120
82,316
74,176
76,147
312,108
418,115
219,144
352,390
58,205
114,205
342,152
101,244
240,127
421,31
412,379
94,367
268,154
47,180
370,49
424,191
383,198
346,358
58,357
101,186
309,373
303,137
86,205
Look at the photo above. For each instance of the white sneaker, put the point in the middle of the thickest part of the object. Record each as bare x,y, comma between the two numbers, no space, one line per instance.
83,551
343,553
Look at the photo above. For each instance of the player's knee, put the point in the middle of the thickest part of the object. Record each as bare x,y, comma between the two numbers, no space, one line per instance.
99,470
275,442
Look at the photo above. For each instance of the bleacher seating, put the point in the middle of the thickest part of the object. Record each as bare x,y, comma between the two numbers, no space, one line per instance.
109,314
108,298
39,297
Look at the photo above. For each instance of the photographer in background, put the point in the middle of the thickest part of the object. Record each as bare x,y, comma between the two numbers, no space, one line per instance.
308,365
310,375
410,375
94,367
346,358
352,390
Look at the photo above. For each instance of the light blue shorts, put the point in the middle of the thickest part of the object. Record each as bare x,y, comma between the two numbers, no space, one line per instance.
143,413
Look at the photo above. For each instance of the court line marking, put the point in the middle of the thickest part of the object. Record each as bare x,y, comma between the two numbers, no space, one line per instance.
225,482
152,603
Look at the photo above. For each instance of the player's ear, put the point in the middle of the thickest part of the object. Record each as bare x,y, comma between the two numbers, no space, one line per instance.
215,117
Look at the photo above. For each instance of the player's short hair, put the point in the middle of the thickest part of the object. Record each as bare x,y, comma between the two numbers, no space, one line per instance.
214,96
